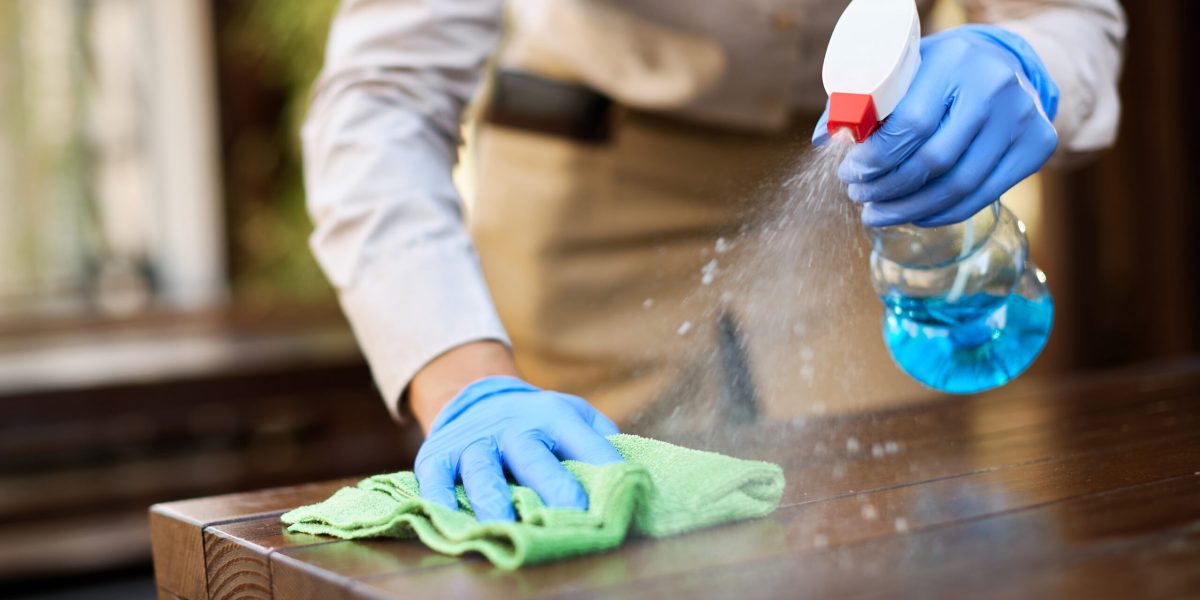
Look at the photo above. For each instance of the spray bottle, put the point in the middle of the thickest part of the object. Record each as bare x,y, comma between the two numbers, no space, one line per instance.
964,308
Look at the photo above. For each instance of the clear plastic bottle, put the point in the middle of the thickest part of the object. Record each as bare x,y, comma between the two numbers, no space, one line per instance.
964,309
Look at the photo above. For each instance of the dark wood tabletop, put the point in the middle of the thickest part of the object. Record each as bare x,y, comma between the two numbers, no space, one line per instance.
1083,487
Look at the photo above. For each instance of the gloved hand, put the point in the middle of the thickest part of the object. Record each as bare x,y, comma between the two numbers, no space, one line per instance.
975,122
500,422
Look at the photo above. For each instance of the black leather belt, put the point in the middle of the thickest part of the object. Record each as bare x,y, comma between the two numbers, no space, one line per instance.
526,101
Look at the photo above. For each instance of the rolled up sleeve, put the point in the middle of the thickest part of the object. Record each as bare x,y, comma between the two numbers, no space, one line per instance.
1081,43
380,142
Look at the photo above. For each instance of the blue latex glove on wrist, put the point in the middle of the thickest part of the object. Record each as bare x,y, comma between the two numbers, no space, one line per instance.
503,422
975,122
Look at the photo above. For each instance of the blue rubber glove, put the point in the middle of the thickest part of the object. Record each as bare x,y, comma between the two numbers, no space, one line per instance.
503,422
975,122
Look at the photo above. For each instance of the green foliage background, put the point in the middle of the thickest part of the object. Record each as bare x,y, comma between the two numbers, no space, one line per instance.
270,259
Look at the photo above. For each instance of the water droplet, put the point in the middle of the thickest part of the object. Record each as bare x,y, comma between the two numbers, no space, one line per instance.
807,373
708,272
648,302
820,540
869,513
839,471
876,450
891,447
722,246
684,328
901,524
806,354
852,445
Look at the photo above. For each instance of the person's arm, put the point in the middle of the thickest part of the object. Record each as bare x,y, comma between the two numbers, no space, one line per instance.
1081,43
380,141
439,381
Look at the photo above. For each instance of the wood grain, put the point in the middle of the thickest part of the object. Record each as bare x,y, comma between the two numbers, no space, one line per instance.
1085,488
181,533
178,549
235,570
959,560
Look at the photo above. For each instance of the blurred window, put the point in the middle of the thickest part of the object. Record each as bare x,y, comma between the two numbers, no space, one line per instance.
109,192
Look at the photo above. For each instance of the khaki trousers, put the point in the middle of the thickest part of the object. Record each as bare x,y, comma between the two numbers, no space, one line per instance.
680,274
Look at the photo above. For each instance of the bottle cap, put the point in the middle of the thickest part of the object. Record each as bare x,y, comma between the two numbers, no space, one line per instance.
873,56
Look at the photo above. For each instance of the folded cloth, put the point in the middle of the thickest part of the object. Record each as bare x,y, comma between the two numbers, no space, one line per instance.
659,490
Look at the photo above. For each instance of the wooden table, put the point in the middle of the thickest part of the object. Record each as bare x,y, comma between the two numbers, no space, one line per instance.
1088,487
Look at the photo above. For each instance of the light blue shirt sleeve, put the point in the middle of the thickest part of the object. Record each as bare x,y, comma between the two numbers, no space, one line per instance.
380,143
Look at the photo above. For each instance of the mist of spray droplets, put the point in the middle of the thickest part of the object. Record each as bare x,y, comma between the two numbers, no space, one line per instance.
785,281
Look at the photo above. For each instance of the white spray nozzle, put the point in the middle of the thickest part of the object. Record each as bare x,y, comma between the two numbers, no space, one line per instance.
872,59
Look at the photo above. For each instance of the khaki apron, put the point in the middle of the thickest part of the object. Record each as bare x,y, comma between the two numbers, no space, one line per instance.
600,259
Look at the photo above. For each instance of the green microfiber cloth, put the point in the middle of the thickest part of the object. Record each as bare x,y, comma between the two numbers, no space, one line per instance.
659,490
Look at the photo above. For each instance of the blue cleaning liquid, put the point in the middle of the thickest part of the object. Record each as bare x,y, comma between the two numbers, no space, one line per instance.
972,345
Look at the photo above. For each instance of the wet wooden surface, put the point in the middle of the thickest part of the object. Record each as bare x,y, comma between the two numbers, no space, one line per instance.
1087,487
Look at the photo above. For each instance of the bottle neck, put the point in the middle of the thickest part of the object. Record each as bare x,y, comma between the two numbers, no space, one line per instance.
929,247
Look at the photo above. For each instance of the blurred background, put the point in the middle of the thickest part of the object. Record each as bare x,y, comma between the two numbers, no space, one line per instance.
165,332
